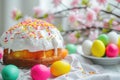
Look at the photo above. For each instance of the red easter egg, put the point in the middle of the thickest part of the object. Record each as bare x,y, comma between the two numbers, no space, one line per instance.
112,50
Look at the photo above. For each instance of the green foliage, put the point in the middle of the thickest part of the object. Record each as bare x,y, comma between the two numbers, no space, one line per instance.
60,28
85,2
45,15
77,34
18,15
109,9
105,30
111,22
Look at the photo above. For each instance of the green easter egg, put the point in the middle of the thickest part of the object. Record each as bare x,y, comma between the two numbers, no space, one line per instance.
10,72
104,38
71,48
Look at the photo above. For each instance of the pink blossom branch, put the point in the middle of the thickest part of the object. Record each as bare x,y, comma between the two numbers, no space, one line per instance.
69,9
114,6
110,13
88,28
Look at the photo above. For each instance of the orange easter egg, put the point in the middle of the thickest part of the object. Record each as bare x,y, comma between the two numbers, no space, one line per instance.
64,53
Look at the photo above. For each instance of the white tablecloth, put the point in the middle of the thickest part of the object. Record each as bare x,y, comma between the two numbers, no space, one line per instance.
91,71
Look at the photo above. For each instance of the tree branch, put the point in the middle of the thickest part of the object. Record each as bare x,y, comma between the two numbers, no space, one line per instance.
114,6
110,13
69,9
89,28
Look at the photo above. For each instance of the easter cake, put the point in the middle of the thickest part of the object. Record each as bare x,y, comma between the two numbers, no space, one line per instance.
31,42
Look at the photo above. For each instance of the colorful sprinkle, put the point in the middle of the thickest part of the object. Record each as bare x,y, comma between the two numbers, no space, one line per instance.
30,26
92,72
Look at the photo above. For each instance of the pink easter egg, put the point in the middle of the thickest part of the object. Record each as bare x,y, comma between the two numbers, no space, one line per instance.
1,53
112,50
40,72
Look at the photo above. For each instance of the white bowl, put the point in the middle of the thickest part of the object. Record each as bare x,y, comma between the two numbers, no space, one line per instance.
100,61
104,60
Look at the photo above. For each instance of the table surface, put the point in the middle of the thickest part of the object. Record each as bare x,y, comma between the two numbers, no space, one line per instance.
101,72
90,71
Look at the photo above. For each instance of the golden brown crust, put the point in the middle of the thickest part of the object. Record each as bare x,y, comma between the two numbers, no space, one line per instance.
8,58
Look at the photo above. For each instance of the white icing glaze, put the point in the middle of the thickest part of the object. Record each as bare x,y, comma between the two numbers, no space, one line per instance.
30,43
55,44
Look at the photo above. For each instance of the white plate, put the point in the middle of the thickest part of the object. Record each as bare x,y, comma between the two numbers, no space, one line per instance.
101,61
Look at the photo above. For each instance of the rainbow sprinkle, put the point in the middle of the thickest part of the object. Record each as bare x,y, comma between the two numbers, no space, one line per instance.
30,26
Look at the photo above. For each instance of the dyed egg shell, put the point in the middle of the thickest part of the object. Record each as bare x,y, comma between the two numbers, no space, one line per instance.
64,53
119,42
112,50
86,47
71,48
10,72
1,53
40,72
113,37
59,68
104,38
98,48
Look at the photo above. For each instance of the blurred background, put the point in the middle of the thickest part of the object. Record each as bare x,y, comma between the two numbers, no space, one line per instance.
72,17
6,7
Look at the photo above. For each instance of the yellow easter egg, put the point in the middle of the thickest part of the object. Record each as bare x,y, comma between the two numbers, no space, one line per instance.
118,41
98,48
59,68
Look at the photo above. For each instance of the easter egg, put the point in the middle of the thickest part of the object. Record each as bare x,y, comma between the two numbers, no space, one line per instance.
104,38
64,52
1,53
113,37
112,50
71,48
118,42
40,72
98,48
10,72
86,47
59,68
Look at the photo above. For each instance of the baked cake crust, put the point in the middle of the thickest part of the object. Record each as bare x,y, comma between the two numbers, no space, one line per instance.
9,58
